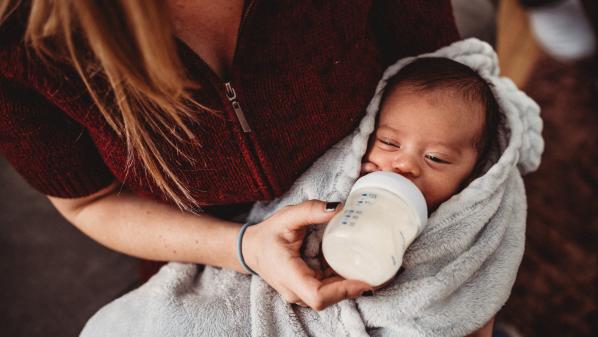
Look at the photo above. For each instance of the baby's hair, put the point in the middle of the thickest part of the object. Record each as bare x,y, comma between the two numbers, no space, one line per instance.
431,73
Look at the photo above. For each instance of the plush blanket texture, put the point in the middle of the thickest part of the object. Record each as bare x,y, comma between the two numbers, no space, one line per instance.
456,276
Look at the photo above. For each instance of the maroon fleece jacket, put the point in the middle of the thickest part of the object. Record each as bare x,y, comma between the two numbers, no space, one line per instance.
303,74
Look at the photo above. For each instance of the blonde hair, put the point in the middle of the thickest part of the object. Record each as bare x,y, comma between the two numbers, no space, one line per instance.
133,48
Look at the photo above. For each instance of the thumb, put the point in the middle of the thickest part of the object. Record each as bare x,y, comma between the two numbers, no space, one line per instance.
309,213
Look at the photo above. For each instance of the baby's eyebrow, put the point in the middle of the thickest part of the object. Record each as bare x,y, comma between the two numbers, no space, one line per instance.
389,128
446,146
443,144
449,147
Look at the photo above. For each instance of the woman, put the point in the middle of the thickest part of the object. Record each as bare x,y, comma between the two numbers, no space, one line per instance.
126,112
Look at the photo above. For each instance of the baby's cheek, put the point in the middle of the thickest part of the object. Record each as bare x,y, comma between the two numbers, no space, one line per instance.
368,167
439,191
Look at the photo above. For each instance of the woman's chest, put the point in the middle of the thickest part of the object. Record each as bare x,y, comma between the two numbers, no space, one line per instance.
209,28
301,80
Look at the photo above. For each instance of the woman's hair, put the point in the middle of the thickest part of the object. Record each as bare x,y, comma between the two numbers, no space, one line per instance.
133,49
429,73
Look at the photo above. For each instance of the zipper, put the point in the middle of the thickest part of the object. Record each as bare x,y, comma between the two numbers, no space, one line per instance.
231,94
250,155
260,176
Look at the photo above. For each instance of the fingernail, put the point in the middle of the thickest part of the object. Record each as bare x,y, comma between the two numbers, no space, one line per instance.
331,206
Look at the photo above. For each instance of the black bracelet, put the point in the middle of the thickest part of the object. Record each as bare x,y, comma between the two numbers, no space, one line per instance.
240,249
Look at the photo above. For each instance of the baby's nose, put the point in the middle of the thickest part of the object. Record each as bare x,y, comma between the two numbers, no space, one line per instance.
406,165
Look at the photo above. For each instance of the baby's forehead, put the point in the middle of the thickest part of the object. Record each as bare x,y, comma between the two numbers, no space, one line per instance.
445,108
438,91
438,96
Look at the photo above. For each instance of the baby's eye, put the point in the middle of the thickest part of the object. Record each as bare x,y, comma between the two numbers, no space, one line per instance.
388,142
436,159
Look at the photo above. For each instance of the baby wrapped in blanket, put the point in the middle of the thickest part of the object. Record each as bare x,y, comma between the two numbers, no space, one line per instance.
437,127
457,274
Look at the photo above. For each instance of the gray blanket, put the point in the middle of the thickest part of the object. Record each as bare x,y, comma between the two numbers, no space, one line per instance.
457,275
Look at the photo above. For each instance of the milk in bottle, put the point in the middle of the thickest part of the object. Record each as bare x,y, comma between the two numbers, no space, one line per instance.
382,216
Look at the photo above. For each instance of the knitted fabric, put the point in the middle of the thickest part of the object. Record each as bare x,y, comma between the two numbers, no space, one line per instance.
303,74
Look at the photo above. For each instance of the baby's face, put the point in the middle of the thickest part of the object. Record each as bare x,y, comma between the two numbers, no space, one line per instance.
428,137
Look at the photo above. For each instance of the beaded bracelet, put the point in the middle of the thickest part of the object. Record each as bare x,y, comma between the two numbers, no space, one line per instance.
240,250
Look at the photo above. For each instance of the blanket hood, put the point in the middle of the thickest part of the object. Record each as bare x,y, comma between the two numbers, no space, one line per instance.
515,105
522,127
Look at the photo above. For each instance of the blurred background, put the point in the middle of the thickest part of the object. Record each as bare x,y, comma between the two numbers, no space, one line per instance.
53,278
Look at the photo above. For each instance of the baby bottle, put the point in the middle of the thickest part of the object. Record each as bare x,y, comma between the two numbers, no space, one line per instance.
382,216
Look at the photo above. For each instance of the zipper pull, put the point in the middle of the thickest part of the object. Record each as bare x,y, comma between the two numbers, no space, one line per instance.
231,94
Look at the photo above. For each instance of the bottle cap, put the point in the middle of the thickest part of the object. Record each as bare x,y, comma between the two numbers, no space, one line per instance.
399,185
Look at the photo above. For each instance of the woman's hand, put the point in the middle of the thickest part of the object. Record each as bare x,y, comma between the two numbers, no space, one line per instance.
272,249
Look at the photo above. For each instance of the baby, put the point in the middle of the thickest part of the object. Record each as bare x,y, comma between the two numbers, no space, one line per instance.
437,127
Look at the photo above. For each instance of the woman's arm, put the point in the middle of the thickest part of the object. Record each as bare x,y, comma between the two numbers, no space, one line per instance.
145,228
151,230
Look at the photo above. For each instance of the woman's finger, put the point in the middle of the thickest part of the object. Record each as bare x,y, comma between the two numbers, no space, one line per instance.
306,213
321,294
287,295
330,279
328,292
301,304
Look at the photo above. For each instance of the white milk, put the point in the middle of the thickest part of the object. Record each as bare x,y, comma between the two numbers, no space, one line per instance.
382,216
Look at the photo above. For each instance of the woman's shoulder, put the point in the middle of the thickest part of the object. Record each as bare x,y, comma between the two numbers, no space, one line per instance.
28,72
